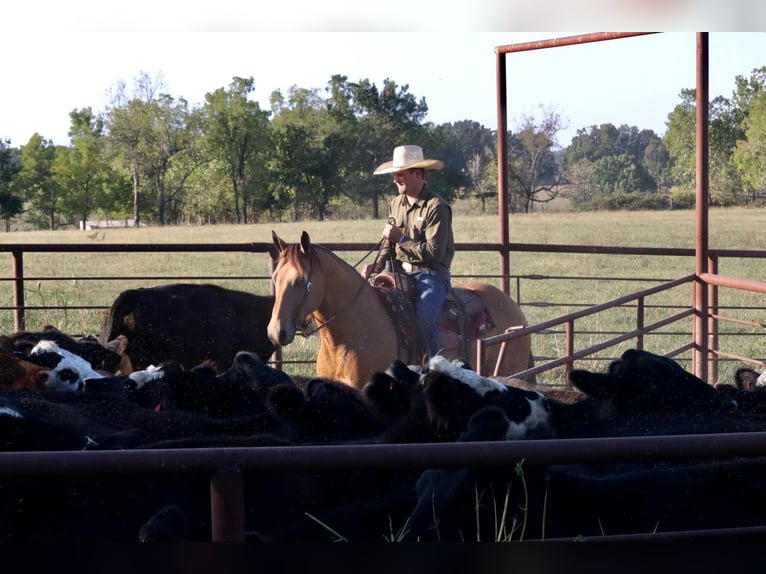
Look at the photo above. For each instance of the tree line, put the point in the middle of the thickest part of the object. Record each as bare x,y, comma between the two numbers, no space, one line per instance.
153,158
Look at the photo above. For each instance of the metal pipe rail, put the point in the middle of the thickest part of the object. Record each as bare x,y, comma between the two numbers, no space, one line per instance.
568,320
227,467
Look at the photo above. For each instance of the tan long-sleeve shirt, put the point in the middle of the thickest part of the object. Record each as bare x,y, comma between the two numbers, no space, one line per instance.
427,227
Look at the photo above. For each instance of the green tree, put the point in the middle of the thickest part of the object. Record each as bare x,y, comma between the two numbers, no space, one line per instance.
581,176
132,135
150,131
381,119
725,121
616,174
680,140
750,152
237,136
173,138
623,160
467,148
656,160
535,175
10,166
37,183
593,143
308,150
83,171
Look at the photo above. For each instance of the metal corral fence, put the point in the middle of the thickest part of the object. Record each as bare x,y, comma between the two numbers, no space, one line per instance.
564,331
227,468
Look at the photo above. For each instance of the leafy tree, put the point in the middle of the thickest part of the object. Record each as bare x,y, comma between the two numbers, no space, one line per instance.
10,166
656,160
132,134
36,181
593,143
381,119
750,152
680,140
616,173
309,150
173,138
748,89
466,148
237,136
83,171
624,159
581,175
535,176
150,131
724,130
208,198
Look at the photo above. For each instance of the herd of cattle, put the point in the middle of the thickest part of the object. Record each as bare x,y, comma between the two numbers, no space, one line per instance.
60,393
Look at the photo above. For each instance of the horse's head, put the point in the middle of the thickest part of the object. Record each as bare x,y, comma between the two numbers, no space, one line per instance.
298,288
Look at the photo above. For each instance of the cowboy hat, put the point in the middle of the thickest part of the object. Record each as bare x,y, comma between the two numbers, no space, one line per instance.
407,157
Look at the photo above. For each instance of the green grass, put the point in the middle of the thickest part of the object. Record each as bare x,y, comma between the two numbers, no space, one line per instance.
549,284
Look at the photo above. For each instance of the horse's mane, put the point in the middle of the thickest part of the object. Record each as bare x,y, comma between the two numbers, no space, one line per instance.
293,256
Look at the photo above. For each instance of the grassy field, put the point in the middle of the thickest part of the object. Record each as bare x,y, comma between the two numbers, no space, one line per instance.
546,284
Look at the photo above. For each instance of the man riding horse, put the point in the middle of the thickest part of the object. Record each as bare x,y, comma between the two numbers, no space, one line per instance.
419,239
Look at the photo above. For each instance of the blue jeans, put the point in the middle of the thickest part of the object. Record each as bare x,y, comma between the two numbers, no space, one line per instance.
432,290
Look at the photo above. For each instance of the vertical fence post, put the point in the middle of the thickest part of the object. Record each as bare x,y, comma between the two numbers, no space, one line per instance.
19,321
479,355
569,344
640,322
227,505
502,168
700,351
713,323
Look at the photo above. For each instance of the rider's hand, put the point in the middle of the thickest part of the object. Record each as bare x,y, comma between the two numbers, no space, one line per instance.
367,271
371,269
392,233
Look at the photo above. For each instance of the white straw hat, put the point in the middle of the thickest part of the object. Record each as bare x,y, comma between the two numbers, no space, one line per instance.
407,157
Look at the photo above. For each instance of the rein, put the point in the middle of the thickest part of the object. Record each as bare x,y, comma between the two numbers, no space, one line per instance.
366,255
351,302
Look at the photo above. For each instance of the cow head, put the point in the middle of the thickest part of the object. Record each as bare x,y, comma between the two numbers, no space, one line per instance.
67,371
646,382
453,394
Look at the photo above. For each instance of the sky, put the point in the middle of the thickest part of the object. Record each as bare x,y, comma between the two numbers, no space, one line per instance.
61,56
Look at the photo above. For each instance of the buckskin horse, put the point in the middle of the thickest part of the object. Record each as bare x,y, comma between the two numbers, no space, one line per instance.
358,336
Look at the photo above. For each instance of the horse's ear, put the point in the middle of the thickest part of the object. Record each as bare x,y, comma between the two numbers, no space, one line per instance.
280,245
305,243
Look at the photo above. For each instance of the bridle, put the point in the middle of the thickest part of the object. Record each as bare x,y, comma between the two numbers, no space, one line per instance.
309,284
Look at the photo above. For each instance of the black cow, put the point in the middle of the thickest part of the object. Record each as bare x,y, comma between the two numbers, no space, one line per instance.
641,394
325,411
241,390
189,323
516,501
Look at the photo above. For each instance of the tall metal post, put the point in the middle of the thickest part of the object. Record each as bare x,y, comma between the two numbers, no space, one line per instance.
502,169
701,326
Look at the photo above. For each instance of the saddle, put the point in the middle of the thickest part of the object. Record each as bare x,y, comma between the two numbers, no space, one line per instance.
463,313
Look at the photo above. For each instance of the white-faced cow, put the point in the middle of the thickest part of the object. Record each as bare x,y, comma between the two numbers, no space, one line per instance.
108,357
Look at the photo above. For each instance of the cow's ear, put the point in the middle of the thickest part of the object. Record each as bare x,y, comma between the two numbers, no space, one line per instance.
305,243
280,245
